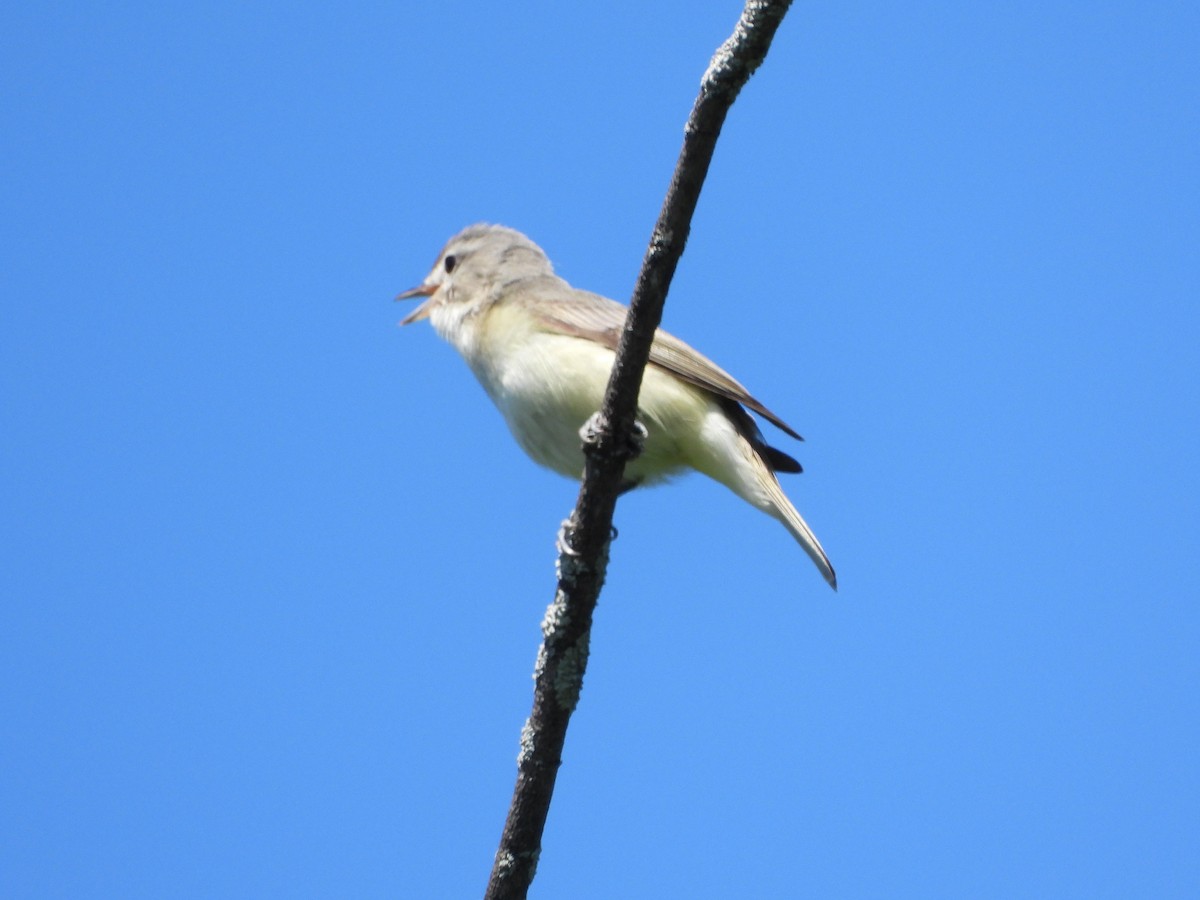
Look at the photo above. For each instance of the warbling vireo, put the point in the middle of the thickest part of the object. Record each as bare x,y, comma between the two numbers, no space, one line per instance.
543,351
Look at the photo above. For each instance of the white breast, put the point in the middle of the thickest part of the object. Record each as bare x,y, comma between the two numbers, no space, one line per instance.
548,384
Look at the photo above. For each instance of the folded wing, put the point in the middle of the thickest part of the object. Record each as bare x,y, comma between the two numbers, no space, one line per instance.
602,320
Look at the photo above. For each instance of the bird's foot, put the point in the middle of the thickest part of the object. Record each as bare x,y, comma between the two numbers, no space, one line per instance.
637,440
592,429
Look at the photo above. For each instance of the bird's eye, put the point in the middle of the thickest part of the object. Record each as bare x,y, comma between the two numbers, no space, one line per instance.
450,262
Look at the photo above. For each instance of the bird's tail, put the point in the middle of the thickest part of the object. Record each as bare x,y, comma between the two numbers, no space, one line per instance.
734,460
781,508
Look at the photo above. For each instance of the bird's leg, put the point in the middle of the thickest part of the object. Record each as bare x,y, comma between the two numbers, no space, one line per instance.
637,440
590,435
589,431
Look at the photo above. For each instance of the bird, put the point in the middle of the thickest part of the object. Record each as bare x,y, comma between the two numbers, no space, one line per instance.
543,351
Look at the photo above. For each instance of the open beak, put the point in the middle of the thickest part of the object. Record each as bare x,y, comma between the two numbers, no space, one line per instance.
422,311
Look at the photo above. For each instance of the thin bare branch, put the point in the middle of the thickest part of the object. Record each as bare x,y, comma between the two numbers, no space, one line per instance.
584,540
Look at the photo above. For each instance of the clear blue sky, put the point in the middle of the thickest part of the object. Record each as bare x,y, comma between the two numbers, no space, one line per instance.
272,569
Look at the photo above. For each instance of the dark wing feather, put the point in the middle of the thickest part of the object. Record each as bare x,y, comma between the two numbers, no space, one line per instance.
601,320
776,459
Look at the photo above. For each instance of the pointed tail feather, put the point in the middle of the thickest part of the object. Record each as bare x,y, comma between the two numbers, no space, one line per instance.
782,509
745,465
795,523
